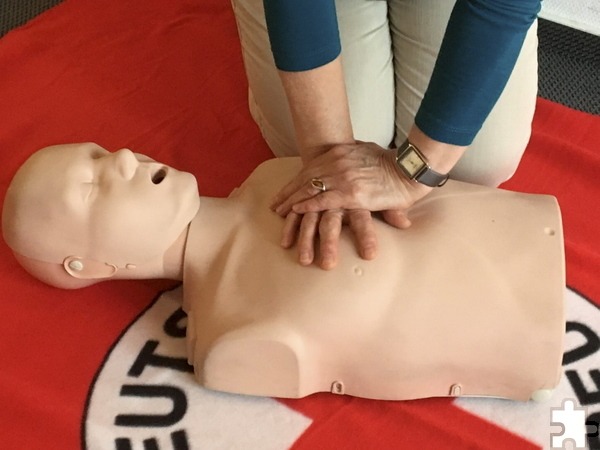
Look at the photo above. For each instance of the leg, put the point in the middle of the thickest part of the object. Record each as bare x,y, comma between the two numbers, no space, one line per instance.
417,29
367,64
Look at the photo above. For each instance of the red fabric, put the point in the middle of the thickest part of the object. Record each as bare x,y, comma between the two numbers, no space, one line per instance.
165,78
354,423
563,159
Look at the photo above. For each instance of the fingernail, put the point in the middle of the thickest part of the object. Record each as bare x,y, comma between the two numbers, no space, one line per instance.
327,262
305,258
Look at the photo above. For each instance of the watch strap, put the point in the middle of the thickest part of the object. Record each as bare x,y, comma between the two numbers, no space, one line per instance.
430,177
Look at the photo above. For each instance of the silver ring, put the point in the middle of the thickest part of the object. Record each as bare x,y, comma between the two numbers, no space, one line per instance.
317,183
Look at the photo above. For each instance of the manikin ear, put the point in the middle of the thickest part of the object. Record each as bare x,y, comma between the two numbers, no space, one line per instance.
88,269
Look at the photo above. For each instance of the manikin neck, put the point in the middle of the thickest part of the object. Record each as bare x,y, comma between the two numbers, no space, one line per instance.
174,256
210,232
216,214
167,266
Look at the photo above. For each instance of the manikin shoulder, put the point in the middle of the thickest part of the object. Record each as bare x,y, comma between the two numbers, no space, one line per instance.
270,176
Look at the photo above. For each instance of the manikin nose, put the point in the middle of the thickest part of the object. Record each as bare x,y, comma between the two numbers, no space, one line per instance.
126,163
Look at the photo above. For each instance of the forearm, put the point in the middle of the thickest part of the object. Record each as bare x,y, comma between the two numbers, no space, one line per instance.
480,47
319,108
306,47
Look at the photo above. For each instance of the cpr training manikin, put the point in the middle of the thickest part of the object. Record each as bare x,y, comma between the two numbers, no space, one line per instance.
468,301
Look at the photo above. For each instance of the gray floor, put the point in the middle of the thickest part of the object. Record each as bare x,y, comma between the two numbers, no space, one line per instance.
569,66
569,60
14,13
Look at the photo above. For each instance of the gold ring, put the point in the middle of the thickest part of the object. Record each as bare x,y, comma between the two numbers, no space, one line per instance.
317,183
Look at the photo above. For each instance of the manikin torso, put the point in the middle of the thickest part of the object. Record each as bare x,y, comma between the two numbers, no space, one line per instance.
468,301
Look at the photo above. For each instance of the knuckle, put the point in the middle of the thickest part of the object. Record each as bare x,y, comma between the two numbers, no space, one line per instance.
309,223
368,241
357,215
356,191
348,176
305,244
320,199
328,248
361,220
331,225
326,227
336,215
339,151
339,166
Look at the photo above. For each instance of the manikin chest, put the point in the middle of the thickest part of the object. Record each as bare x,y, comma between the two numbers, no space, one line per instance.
443,310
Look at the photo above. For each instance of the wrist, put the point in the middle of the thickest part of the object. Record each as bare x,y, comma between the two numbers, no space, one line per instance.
441,157
307,154
410,190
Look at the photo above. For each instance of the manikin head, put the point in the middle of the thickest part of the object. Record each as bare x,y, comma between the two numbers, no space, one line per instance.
77,213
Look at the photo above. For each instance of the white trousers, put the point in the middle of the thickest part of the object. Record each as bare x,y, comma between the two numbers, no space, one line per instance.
389,50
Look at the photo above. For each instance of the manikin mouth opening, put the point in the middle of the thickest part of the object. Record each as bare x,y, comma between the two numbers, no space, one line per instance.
159,175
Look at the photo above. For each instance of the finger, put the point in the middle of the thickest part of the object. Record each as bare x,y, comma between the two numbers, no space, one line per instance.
396,218
290,229
330,228
363,227
306,238
307,191
329,200
286,191
301,181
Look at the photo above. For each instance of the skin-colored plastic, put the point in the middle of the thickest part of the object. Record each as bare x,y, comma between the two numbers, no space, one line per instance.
467,301
114,212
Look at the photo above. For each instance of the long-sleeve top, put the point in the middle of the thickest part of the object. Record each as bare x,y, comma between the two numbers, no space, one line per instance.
479,50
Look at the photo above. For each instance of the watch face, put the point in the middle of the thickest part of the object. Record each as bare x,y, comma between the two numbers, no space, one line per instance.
412,163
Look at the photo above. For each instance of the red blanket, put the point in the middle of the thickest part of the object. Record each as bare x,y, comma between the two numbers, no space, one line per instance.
100,367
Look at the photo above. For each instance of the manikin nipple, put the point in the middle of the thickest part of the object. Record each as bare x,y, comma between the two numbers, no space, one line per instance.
84,268
76,265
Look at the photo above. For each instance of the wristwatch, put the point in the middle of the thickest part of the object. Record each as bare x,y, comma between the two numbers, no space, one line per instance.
415,166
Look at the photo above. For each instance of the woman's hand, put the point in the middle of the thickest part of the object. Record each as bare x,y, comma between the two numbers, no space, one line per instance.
354,176
356,179
307,229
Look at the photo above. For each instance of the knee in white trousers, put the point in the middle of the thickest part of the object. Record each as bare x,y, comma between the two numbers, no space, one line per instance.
389,50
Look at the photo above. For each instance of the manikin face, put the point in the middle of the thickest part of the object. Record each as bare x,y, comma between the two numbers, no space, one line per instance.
120,208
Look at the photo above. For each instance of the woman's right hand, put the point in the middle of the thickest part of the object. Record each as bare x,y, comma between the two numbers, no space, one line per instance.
365,179
360,176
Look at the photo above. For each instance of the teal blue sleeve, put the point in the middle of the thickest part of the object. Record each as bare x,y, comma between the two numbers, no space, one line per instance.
481,45
482,42
303,33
